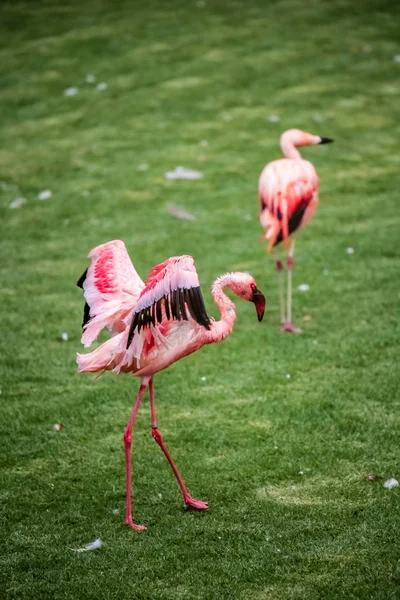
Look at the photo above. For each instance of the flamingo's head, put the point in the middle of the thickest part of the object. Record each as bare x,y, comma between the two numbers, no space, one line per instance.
296,137
244,286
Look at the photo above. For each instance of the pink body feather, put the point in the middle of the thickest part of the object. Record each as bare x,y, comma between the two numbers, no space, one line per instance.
288,189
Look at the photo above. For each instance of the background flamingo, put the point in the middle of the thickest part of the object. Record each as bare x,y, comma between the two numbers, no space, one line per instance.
288,190
153,325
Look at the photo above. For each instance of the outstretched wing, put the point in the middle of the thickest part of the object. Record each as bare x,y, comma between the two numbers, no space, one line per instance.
172,292
111,289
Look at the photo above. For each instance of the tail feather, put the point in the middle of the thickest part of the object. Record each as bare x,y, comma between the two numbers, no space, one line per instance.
101,359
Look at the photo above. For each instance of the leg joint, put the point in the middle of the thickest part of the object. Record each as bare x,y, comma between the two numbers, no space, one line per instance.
128,438
156,435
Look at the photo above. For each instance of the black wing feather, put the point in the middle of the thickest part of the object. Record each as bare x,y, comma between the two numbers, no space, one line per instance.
159,310
197,308
167,311
182,307
82,279
293,223
86,308
86,314
173,305
176,304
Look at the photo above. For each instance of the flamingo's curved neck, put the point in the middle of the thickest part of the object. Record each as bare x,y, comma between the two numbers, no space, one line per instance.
220,329
288,147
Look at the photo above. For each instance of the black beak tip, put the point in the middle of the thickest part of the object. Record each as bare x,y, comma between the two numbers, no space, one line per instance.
325,140
259,301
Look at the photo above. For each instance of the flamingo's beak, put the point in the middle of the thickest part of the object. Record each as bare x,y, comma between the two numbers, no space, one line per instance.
260,302
326,140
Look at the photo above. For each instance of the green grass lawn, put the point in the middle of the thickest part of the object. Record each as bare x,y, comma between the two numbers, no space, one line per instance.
195,84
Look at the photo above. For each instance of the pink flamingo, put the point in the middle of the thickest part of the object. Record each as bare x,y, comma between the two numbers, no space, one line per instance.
153,325
288,190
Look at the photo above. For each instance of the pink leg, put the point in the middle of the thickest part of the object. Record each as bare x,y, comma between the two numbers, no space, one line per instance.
128,444
279,270
198,504
288,325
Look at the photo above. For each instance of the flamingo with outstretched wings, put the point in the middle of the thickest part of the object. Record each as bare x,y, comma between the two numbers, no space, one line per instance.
152,325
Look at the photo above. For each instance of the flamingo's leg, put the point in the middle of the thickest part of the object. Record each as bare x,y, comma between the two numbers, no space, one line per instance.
279,270
128,444
288,326
189,501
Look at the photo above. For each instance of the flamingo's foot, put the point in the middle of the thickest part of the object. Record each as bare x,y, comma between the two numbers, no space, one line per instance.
129,521
197,504
290,328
